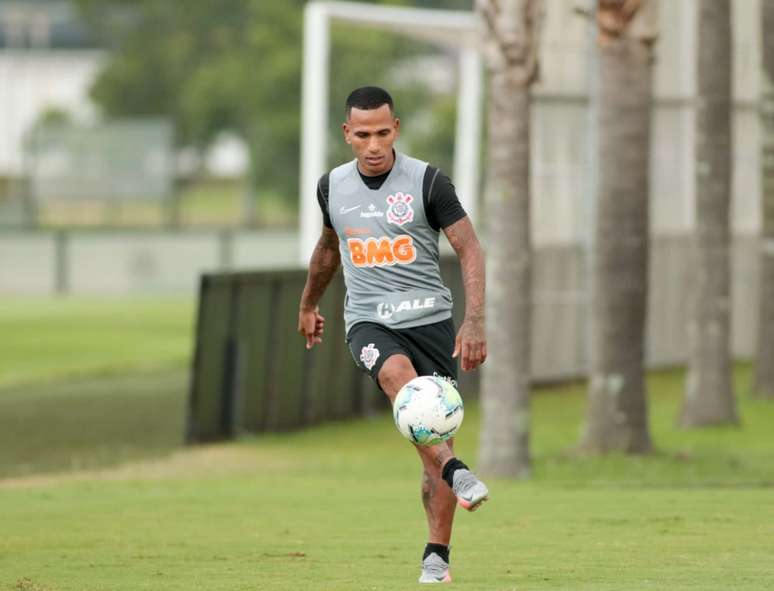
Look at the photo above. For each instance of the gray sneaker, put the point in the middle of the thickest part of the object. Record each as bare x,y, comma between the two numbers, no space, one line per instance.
470,491
435,570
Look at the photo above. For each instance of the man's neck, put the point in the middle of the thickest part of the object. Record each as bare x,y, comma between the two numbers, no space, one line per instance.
387,169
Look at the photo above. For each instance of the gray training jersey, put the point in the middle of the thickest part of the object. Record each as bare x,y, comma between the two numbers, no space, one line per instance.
388,250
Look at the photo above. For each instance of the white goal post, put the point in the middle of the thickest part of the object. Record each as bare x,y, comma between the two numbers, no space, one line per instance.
456,29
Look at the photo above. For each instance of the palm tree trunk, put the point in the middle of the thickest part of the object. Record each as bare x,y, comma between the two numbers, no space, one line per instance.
616,418
764,367
512,28
709,397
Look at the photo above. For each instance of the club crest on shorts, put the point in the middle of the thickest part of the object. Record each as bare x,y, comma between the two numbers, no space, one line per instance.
369,355
400,211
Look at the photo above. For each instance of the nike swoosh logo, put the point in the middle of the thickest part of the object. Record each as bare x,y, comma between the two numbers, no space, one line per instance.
348,209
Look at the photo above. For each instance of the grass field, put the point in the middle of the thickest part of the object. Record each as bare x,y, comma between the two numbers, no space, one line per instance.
48,339
90,422
337,507
91,382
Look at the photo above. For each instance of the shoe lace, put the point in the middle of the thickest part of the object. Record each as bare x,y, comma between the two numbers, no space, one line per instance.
464,481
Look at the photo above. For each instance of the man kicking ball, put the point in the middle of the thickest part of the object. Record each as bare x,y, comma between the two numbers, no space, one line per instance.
382,215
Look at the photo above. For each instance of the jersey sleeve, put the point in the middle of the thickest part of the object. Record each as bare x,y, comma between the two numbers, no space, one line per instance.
442,206
322,199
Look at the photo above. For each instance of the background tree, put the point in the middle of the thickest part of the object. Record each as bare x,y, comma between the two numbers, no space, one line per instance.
616,416
208,67
236,65
511,36
709,397
764,368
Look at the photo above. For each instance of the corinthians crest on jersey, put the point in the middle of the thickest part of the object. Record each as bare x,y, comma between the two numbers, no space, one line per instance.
400,211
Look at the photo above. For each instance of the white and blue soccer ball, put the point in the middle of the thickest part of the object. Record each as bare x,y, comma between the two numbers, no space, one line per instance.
428,410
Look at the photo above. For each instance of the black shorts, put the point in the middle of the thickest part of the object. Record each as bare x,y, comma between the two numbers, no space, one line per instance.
429,347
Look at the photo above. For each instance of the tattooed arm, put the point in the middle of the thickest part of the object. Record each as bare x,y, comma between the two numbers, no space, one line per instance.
471,338
323,265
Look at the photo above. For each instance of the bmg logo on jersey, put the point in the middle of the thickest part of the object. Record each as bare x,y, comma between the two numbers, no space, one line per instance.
381,252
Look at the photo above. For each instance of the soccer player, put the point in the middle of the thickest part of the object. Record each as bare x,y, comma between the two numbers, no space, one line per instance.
382,214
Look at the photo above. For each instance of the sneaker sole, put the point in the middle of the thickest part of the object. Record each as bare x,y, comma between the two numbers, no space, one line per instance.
471,506
446,579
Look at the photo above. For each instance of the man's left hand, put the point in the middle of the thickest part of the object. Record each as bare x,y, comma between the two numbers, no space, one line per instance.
471,344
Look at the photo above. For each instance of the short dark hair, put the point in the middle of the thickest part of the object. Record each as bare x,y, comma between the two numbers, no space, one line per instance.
367,98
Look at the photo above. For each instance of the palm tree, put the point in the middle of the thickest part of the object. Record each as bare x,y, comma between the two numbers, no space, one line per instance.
616,417
511,37
709,397
764,368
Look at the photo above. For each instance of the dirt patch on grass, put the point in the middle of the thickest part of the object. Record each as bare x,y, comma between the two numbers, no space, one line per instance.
211,461
26,584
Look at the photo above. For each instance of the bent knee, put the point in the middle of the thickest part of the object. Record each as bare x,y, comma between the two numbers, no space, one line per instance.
396,371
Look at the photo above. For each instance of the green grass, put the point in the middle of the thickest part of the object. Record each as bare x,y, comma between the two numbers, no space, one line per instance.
45,339
98,495
212,203
337,507
719,456
89,382
222,203
90,422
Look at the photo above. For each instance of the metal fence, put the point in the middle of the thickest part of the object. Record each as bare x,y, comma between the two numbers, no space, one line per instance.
88,169
118,160
251,371
92,261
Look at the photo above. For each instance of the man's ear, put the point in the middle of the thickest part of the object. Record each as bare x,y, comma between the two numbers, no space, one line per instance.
345,130
397,127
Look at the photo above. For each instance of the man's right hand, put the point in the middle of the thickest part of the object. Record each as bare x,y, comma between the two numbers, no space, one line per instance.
310,325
